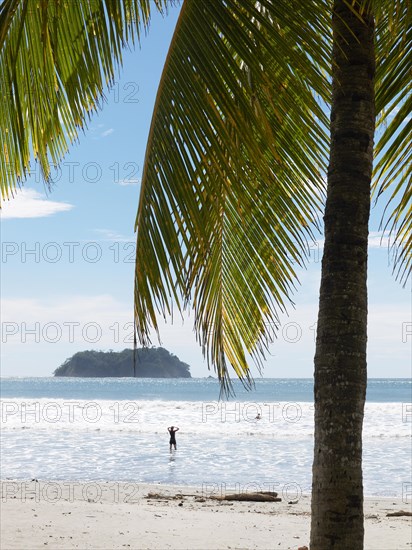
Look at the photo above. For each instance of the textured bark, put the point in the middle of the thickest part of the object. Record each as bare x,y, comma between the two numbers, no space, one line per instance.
340,359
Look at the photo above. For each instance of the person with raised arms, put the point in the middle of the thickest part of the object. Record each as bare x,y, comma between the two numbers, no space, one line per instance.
172,431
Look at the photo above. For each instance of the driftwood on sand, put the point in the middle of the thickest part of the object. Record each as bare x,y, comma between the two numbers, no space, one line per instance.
262,496
398,514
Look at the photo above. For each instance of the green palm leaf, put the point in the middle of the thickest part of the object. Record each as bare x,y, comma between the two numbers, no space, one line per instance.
237,148
393,151
227,198
56,59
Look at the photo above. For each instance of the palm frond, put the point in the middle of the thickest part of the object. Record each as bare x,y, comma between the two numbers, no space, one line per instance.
56,59
393,152
232,176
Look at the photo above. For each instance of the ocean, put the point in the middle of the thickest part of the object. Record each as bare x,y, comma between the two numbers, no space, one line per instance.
115,429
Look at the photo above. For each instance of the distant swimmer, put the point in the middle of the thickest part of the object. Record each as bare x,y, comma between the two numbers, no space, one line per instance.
258,417
172,430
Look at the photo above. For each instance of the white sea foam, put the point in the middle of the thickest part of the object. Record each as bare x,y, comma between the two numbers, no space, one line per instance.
210,418
95,429
218,442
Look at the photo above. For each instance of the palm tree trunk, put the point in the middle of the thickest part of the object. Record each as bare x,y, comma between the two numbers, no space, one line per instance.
340,359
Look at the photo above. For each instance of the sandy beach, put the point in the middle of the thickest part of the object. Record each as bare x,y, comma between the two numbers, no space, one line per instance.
138,516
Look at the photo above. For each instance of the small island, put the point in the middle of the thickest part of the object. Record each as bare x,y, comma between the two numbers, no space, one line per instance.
150,363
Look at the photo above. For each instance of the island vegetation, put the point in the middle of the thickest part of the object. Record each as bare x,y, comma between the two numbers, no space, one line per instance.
150,363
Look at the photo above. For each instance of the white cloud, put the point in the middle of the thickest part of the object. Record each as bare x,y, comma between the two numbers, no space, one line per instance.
46,331
107,132
112,236
390,334
29,203
377,239
91,321
131,181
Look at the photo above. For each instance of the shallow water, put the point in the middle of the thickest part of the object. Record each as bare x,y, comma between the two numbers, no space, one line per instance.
116,429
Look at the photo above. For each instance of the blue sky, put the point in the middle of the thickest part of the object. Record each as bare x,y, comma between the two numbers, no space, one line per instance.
67,255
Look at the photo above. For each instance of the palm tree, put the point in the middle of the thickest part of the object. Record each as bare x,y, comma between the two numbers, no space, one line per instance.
233,181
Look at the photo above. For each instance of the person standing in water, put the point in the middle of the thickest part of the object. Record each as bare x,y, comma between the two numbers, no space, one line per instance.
172,430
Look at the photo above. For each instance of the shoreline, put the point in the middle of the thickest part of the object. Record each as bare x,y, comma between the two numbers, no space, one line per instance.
111,515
